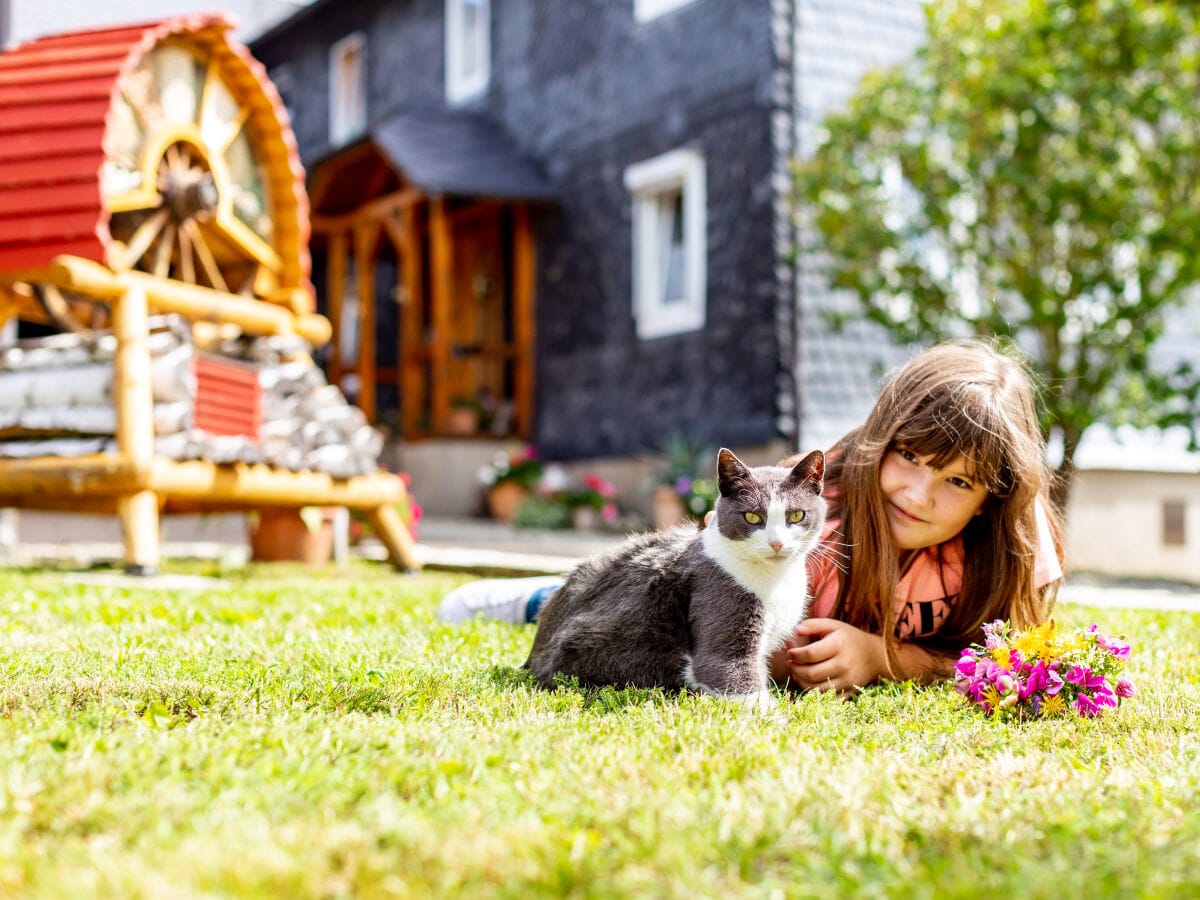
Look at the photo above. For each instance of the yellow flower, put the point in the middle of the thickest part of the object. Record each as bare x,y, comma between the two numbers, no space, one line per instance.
1003,656
1038,642
1052,705
992,697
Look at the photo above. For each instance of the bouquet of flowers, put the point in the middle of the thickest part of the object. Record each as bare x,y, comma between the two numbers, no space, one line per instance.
1044,671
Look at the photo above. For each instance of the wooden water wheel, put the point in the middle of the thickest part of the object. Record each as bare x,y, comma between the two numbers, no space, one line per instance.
162,154
151,168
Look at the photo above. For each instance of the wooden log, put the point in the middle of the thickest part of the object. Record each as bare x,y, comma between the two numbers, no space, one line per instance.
194,302
258,485
390,529
134,399
25,482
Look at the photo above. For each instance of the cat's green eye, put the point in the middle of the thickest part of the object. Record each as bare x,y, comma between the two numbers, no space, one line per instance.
796,517
753,518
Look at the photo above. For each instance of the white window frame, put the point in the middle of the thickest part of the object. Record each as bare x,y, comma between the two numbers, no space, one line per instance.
679,171
462,86
645,10
347,89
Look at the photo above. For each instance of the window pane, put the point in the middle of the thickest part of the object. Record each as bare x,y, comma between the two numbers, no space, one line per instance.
671,248
1174,523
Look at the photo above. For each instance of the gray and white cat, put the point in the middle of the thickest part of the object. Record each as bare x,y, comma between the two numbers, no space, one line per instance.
687,608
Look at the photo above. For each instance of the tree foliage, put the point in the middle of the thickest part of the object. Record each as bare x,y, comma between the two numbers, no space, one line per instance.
1031,173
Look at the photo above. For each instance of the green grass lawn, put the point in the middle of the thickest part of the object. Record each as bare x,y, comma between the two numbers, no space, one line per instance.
315,733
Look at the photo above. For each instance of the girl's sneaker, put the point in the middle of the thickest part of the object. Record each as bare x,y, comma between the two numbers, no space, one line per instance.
512,600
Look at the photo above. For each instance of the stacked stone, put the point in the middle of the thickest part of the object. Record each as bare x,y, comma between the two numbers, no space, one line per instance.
56,400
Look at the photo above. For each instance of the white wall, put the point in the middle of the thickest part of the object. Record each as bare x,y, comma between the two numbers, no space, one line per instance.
1115,524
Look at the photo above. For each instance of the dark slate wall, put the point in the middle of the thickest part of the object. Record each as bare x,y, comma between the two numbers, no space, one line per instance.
587,91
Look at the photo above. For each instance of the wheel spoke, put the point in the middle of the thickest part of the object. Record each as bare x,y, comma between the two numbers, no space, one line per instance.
204,254
162,255
187,265
144,236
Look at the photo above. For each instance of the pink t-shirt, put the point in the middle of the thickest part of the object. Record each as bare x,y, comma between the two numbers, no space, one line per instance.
927,590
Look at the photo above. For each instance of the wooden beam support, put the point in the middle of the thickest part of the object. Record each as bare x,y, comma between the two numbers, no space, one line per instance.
133,395
390,529
524,318
442,285
335,287
194,302
366,239
412,327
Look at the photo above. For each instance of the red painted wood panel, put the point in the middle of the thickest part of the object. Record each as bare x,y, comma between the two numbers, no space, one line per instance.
228,397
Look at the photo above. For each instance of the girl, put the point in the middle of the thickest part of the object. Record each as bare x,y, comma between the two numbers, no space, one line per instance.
939,522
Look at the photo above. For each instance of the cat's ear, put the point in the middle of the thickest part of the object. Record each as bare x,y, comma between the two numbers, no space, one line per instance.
731,473
811,469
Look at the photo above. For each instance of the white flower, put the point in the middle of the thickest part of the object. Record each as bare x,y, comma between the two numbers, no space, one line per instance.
554,479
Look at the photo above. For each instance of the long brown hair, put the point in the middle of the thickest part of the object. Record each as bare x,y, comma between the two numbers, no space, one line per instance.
970,398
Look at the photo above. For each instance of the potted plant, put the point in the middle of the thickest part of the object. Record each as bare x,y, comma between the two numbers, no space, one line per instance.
679,491
509,480
593,501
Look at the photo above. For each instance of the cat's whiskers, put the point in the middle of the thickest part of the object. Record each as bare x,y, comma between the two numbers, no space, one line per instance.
837,558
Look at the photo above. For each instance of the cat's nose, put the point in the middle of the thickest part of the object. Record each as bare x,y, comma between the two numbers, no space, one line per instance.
776,545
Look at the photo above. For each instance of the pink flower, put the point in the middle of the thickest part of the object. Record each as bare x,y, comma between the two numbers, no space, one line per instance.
1037,680
1124,687
608,512
1084,677
965,667
1086,707
1115,646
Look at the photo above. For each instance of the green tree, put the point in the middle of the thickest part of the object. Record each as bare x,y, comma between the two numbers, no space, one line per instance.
1031,173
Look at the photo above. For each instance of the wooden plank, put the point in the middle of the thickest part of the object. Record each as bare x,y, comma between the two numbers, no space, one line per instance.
524,323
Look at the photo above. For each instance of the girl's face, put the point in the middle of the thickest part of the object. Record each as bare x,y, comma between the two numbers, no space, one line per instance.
926,506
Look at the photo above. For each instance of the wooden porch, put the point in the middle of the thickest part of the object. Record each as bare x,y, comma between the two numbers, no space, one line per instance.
431,297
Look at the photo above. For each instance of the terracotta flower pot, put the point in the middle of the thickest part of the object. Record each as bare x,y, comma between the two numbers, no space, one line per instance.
282,535
504,499
668,508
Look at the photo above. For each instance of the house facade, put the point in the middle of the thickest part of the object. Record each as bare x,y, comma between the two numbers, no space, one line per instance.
577,214
645,145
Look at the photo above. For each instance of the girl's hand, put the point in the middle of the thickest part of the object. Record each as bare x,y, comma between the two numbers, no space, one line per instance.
838,657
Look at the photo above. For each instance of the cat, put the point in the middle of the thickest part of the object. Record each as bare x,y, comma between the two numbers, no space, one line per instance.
701,609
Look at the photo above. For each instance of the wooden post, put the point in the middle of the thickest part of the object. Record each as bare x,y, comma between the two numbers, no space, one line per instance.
335,283
442,254
366,236
524,279
134,400
412,328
